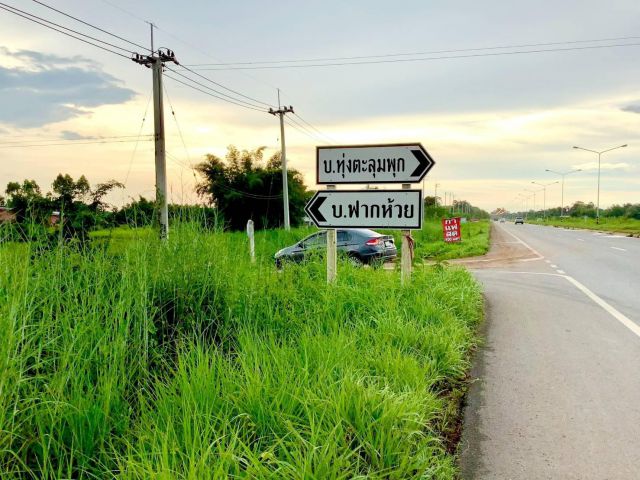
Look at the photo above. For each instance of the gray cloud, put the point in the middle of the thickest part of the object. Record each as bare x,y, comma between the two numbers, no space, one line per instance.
69,135
54,88
631,108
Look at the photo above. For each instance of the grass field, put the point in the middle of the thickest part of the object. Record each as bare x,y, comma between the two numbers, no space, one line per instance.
629,226
137,360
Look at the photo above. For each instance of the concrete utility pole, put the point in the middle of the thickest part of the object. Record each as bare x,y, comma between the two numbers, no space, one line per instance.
281,112
156,61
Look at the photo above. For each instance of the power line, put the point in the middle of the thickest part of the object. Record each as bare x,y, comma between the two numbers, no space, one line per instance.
239,100
71,143
28,16
308,132
304,132
447,57
135,148
211,94
90,25
226,88
70,140
432,52
331,140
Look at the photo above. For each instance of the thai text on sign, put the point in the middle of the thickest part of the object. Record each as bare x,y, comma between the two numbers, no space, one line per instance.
451,229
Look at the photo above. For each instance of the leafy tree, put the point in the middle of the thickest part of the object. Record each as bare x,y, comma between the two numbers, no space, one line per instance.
243,187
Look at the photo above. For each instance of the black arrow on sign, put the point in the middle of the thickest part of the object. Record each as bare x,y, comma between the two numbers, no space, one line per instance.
425,162
313,209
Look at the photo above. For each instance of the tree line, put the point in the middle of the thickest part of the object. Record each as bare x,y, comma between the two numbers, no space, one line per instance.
240,187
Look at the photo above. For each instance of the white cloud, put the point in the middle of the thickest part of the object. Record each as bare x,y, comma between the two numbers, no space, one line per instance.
603,166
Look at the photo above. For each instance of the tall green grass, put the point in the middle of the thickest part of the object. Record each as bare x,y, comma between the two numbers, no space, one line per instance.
630,226
187,361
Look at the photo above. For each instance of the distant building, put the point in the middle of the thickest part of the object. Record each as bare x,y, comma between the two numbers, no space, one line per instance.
7,215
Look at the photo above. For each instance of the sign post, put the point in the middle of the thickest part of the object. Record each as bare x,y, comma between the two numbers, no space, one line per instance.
397,209
252,243
365,164
406,253
451,231
332,250
404,163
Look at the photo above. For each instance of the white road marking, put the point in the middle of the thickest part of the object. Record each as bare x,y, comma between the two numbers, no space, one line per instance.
553,266
580,240
621,249
548,261
561,271
623,319
526,245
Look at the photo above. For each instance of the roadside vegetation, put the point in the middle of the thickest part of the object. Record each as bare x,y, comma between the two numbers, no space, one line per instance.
629,226
616,218
125,358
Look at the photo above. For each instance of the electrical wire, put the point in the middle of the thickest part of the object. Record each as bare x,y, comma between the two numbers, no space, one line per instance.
11,10
211,94
67,28
310,133
314,128
213,89
226,88
304,132
432,52
91,25
72,143
423,59
135,148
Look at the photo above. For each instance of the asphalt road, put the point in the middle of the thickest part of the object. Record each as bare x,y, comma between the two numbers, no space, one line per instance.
557,394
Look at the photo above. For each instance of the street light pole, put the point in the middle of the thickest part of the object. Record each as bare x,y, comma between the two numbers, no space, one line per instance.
544,189
599,157
563,175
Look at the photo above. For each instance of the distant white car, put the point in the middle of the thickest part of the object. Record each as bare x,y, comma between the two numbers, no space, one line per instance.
519,220
502,220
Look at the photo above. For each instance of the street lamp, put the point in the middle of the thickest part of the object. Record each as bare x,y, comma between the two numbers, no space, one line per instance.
599,155
534,197
563,175
544,189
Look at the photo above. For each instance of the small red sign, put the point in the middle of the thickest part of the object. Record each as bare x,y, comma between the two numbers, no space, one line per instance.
451,229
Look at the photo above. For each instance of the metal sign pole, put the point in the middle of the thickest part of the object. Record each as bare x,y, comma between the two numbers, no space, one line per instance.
332,250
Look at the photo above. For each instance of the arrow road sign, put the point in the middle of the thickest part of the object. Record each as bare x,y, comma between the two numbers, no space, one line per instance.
394,163
401,209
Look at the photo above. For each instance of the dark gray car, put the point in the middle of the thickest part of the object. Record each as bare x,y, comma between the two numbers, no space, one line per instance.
362,246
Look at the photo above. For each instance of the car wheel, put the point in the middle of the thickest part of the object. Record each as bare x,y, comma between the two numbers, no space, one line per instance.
355,261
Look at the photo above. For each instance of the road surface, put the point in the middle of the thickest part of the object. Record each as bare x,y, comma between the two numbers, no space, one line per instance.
557,394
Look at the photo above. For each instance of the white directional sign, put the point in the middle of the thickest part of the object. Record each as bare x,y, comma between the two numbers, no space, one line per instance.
397,163
399,209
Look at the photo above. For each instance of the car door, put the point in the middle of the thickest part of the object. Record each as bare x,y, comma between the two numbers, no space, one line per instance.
345,240
315,244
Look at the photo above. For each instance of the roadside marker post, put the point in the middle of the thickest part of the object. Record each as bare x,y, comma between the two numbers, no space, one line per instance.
393,209
252,243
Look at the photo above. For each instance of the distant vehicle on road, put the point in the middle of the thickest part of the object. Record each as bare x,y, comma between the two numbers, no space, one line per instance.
360,245
502,220
519,220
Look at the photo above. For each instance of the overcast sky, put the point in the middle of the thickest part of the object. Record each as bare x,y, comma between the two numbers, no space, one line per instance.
492,123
